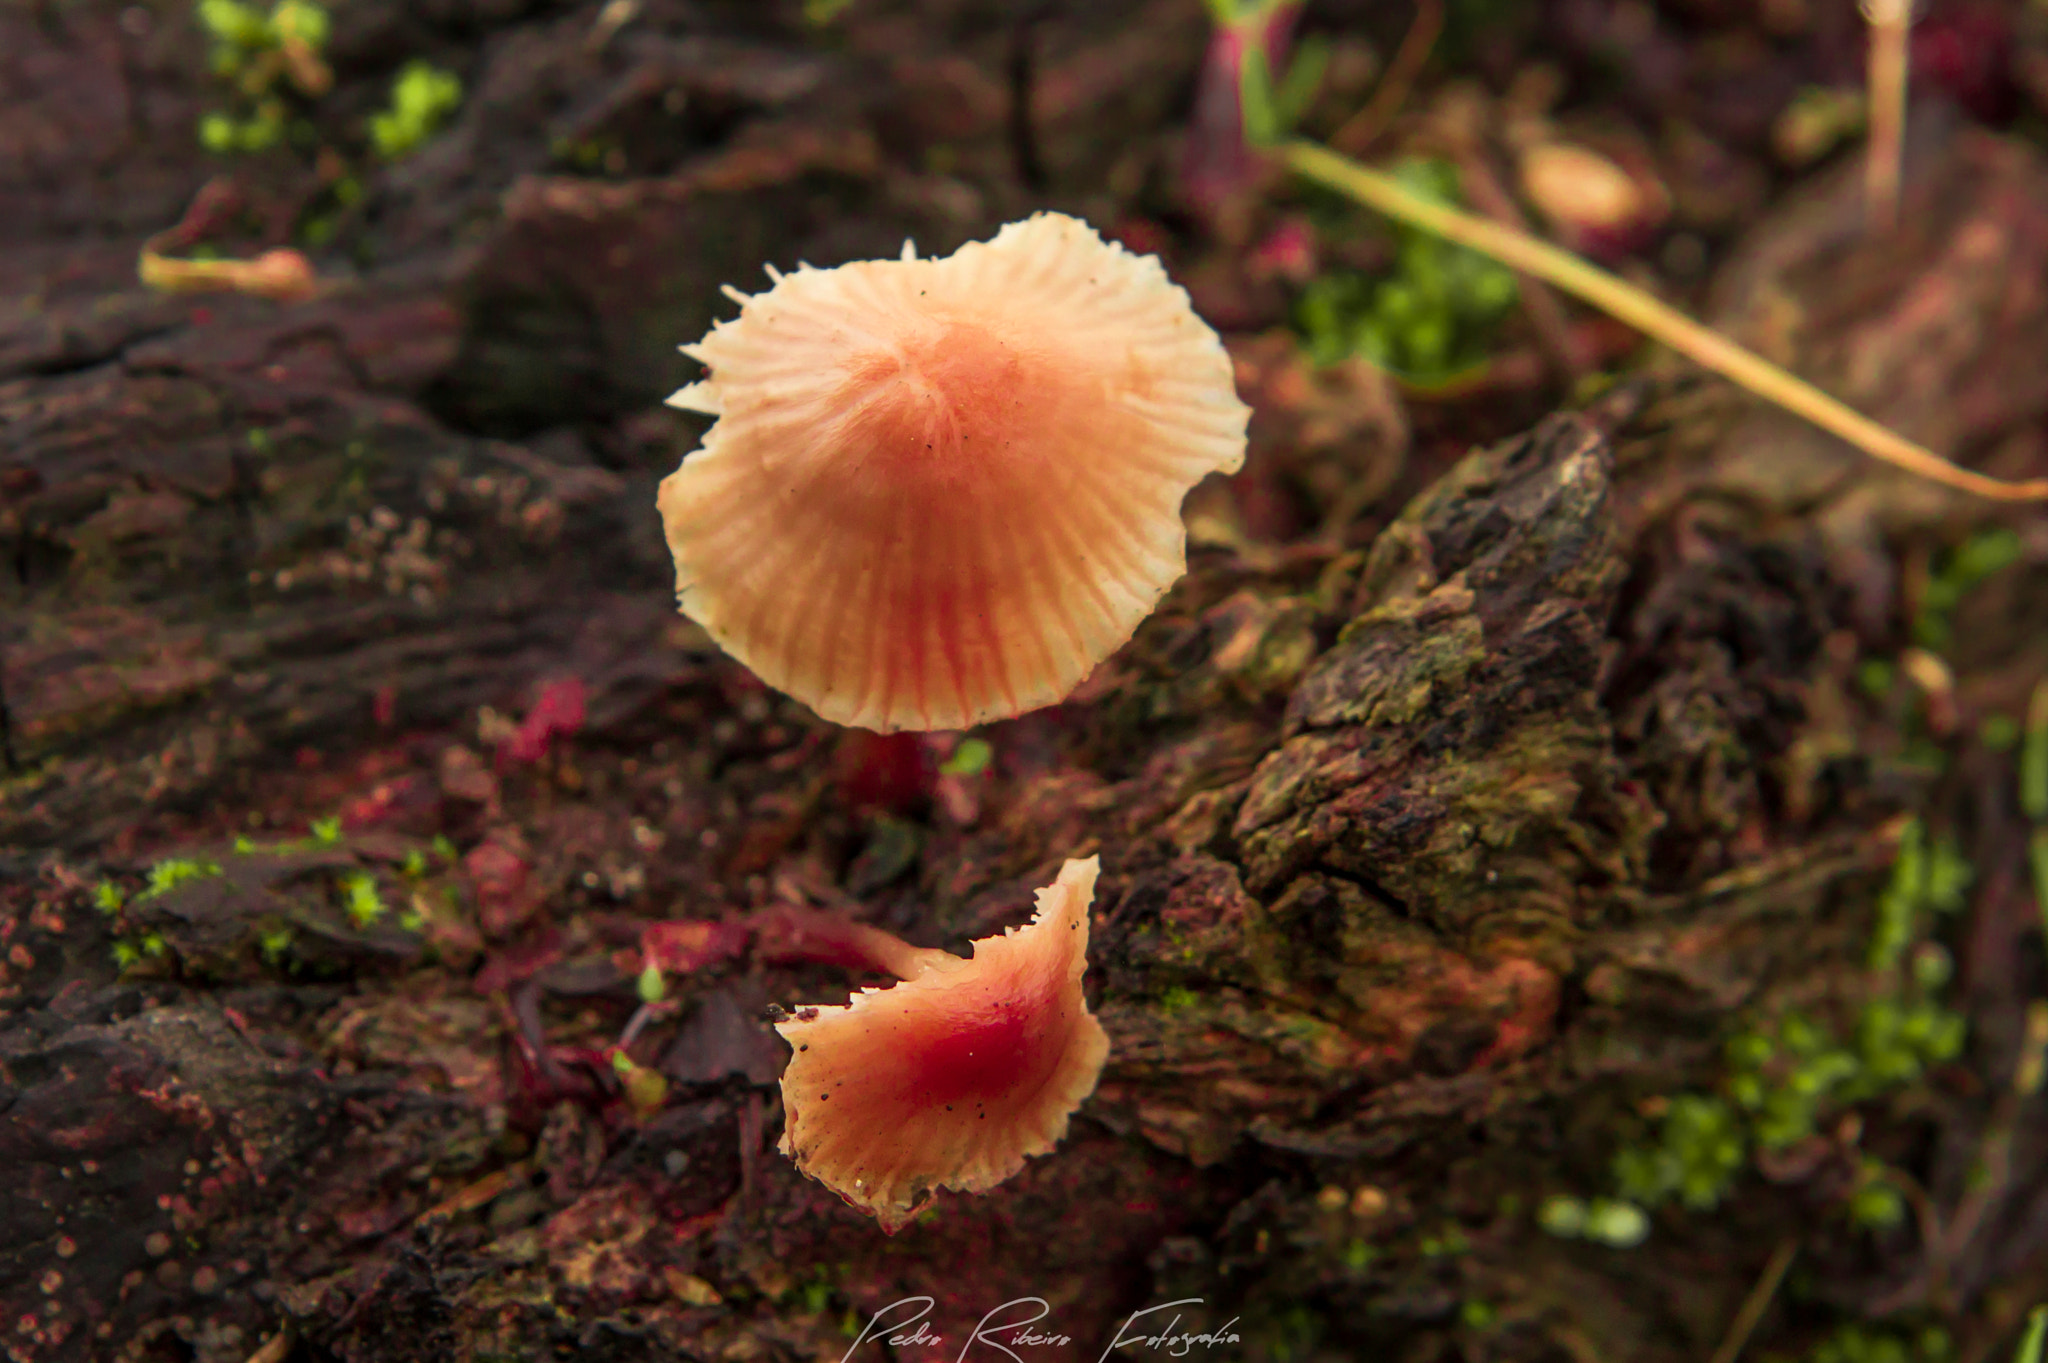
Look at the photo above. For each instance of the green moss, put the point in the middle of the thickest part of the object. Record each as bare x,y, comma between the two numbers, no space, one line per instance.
1447,1243
249,50
1605,1221
361,898
971,758
1786,1076
1859,1343
1432,316
275,943
1969,564
1877,1204
170,873
1699,1150
422,97
2037,1333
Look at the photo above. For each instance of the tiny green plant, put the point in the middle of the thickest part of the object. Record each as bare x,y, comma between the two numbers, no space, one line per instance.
2034,793
275,943
171,872
1429,318
2036,1335
422,97
267,57
1877,1204
971,758
325,832
108,897
1608,1221
1785,1076
361,898
1859,1343
1976,559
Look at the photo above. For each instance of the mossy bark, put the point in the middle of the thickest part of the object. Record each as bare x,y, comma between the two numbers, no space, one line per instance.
1428,858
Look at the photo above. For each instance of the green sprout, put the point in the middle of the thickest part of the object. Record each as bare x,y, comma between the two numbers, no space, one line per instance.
1430,319
2034,757
325,832
1478,1315
361,898
1606,1221
2037,1333
651,986
1976,559
274,943
1786,1076
1877,1204
171,872
1869,1344
2034,793
259,53
422,97
108,897
971,758
1699,1151
1931,876
645,1088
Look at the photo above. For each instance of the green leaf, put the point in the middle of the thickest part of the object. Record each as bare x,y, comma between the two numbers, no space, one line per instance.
971,758
2037,1334
1297,89
2034,757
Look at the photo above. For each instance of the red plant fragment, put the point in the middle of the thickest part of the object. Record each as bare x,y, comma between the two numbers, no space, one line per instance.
557,713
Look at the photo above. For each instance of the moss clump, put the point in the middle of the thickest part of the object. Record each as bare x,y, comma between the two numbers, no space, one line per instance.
361,898
1433,315
1787,1075
1976,559
171,872
422,97
261,54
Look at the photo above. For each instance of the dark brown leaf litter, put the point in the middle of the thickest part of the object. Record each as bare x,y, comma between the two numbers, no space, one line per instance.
1424,859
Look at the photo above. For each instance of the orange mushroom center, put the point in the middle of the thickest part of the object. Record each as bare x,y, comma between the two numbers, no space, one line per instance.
951,410
985,1056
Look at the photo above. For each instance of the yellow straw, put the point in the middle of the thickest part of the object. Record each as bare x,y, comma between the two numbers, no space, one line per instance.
1657,320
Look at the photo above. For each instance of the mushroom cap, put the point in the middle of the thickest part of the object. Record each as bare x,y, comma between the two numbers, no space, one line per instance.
952,1078
940,492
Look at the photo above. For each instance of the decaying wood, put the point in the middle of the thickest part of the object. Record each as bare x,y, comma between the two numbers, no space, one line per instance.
1424,857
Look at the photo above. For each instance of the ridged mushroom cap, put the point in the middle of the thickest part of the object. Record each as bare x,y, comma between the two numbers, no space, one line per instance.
939,492
953,1077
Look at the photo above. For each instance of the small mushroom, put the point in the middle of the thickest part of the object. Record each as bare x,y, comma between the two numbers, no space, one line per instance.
939,492
953,1077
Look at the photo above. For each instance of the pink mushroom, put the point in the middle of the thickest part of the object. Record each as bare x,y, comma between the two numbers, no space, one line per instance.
954,1077
939,492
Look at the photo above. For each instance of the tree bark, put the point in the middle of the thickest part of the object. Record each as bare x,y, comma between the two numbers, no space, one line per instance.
1425,859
